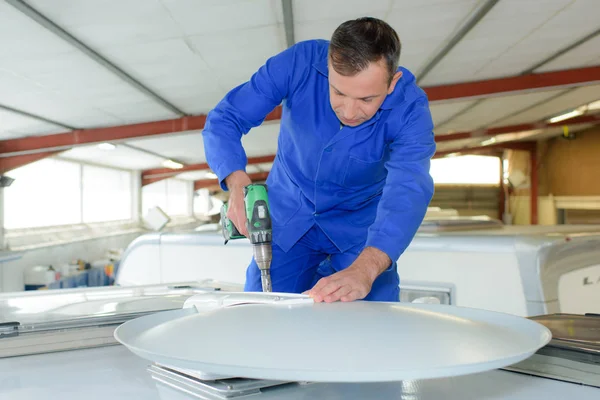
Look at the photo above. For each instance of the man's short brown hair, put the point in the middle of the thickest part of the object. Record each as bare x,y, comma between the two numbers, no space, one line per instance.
357,43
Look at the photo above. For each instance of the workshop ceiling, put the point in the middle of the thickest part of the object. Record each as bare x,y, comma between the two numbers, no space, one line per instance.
68,66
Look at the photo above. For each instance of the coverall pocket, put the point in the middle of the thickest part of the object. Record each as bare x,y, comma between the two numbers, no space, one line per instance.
364,173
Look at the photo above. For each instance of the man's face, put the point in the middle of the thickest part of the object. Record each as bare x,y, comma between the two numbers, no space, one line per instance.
356,99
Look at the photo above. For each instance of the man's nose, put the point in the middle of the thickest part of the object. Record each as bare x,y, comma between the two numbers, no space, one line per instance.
351,109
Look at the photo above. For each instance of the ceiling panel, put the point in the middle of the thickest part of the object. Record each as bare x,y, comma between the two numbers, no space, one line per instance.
452,145
121,157
107,109
6,134
322,26
586,54
256,168
314,10
230,50
26,95
425,26
570,99
71,74
13,125
209,17
21,38
262,167
178,61
44,75
137,111
164,45
565,27
232,58
108,22
198,102
180,75
262,140
493,109
187,148
442,112
203,174
195,175
508,23
422,26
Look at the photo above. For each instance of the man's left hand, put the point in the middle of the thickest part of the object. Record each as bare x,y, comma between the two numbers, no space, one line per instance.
354,282
347,285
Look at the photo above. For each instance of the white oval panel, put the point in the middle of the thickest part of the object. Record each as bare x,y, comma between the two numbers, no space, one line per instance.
337,342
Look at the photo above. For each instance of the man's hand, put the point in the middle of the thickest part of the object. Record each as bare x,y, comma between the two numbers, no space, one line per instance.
354,282
236,211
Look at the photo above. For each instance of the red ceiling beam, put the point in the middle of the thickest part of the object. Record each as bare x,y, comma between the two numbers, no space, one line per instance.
10,163
163,173
514,84
205,183
489,150
583,119
148,181
77,137
158,174
63,141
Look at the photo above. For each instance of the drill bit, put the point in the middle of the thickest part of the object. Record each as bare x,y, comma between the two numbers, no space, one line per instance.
265,278
262,255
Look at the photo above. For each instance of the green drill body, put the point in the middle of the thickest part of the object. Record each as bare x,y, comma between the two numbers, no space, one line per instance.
258,223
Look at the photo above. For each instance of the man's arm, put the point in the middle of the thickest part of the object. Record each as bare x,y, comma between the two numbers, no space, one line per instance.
406,196
409,187
243,108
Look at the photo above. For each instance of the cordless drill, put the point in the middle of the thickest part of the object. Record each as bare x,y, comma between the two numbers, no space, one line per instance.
258,223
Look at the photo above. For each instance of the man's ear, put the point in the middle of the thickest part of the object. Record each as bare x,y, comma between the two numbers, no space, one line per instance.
395,79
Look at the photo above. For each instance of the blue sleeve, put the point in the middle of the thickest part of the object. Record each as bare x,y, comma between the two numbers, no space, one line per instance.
243,108
409,186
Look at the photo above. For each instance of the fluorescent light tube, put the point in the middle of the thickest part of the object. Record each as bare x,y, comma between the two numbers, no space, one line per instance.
489,141
570,114
107,146
172,164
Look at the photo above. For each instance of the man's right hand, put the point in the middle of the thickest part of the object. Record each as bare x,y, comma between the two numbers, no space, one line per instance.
236,211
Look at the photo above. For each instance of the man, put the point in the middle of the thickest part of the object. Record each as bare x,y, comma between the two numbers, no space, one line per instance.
350,183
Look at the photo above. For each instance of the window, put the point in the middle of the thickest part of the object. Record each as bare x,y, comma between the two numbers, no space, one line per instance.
173,196
178,197
54,192
154,195
470,170
205,204
44,193
107,194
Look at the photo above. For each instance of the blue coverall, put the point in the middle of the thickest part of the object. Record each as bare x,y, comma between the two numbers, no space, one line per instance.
332,190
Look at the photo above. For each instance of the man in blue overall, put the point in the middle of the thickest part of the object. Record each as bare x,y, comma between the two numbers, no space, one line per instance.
350,183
